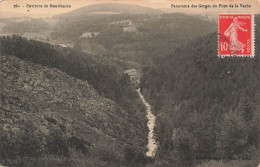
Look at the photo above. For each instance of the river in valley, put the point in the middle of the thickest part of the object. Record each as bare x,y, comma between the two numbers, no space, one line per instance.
152,145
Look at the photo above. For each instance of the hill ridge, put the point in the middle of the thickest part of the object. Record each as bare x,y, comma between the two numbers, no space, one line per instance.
118,8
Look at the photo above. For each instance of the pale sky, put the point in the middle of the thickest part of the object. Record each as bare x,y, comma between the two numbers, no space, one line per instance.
7,6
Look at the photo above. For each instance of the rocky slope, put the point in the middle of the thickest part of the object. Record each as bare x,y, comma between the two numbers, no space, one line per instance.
56,119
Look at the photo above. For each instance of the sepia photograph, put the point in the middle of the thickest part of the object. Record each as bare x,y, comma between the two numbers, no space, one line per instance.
129,83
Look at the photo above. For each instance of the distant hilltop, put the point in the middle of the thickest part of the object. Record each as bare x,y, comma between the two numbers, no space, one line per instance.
109,8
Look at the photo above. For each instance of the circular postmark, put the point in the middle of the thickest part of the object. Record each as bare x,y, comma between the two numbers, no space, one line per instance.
207,61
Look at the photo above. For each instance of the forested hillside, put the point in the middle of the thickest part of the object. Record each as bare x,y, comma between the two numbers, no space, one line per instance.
152,37
207,107
104,79
32,25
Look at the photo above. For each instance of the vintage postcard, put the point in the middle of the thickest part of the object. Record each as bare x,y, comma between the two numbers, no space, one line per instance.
129,83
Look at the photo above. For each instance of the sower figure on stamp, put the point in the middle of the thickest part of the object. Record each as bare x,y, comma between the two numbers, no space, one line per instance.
236,45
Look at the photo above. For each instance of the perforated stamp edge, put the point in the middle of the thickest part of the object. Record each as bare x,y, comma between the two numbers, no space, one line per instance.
252,36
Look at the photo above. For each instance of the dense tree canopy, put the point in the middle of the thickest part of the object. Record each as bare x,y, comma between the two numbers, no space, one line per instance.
207,107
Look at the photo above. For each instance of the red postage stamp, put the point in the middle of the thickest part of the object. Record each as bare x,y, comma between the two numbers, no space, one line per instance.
236,35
